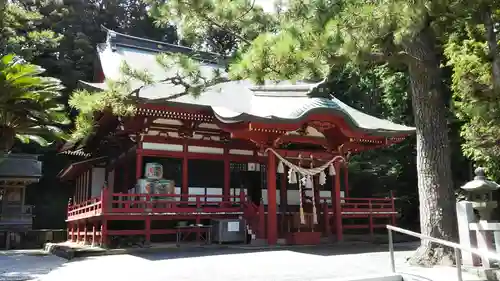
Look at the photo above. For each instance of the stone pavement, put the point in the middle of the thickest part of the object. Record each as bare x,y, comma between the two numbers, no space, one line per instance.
300,264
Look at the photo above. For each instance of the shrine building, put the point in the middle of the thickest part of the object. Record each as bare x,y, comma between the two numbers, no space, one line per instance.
270,155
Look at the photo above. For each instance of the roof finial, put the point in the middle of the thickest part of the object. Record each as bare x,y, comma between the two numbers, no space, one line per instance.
480,173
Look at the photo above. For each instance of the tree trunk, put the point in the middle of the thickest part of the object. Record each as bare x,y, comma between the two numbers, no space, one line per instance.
492,40
435,183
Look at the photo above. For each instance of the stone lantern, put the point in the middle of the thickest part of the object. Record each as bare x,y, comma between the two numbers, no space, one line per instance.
480,194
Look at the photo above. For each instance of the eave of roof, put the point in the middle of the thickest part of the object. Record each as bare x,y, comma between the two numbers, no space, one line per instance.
242,101
73,169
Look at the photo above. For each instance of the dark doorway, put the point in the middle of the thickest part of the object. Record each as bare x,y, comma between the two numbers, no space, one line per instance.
253,185
242,179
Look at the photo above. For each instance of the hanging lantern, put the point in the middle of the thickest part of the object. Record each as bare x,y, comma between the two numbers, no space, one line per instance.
322,178
281,168
331,170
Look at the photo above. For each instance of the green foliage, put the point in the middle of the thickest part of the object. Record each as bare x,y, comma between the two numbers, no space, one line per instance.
476,103
30,109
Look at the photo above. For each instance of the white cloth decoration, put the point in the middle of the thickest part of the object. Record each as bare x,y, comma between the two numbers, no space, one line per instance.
331,170
322,178
303,181
280,169
304,171
309,182
292,176
306,179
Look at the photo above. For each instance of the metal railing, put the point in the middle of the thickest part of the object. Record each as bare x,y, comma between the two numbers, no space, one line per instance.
455,246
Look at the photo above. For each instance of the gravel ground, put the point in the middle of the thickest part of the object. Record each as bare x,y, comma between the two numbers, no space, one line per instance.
304,264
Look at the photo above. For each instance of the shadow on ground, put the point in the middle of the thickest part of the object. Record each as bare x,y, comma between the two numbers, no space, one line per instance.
321,250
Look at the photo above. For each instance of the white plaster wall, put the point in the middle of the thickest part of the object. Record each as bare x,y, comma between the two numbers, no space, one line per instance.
236,192
97,181
293,198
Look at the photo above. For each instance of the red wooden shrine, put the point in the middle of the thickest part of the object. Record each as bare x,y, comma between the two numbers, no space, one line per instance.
238,129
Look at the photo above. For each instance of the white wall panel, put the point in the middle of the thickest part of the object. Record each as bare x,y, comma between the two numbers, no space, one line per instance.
97,181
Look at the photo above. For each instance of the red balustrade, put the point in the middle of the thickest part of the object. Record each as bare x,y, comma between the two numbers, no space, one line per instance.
173,203
367,205
86,209
123,203
364,206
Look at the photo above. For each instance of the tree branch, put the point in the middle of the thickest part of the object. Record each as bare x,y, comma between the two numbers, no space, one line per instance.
225,28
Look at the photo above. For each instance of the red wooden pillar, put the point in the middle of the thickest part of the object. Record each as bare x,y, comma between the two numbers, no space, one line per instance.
272,225
227,177
346,180
138,166
337,204
185,177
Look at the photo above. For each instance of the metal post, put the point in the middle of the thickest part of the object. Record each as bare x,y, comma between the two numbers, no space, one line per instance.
458,261
391,252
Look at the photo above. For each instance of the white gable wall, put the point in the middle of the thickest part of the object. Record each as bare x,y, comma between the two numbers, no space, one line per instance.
97,181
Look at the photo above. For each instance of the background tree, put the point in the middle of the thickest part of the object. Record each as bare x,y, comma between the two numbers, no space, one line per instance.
472,53
21,32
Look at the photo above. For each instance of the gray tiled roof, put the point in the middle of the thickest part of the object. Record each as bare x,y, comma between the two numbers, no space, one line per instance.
20,166
234,101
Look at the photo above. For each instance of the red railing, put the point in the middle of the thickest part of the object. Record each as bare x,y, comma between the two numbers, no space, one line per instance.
173,203
363,206
121,203
86,209
373,205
